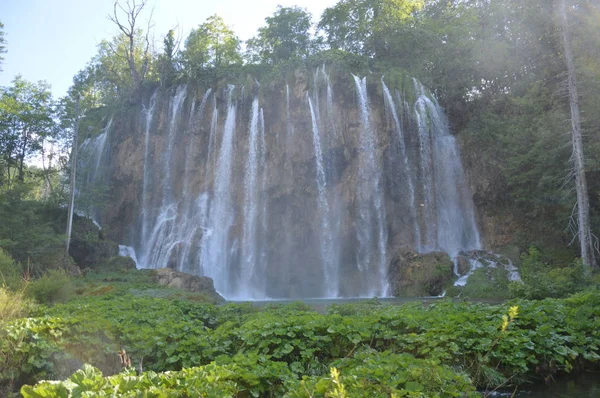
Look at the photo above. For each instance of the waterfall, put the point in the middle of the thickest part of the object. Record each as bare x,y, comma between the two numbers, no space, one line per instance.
92,176
225,195
371,223
428,206
158,247
249,238
263,259
211,140
168,155
330,269
448,211
406,171
289,127
149,116
191,220
215,251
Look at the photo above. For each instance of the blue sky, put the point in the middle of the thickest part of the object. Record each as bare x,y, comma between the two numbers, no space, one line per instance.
52,40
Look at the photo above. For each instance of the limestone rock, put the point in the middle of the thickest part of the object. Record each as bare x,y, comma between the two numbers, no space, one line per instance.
191,283
415,275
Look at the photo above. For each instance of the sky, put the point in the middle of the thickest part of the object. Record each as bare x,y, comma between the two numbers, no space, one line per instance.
52,40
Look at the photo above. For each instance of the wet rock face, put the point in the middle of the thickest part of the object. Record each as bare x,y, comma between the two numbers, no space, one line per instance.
418,275
190,283
205,182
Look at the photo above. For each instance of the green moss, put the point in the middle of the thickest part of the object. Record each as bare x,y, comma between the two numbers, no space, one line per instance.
484,283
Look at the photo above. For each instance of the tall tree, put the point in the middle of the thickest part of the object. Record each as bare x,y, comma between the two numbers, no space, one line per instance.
26,121
583,206
2,44
212,45
127,20
286,35
167,60
363,26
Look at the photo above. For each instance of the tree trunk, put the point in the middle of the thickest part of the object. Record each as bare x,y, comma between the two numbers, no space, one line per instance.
583,205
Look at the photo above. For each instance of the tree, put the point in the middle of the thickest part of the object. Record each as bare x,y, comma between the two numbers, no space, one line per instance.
362,26
584,232
212,45
167,63
137,57
26,121
2,44
286,35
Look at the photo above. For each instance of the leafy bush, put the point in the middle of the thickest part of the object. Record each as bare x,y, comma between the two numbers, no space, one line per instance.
10,272
26,235
53,287
541,280
275,348
13,305
383,374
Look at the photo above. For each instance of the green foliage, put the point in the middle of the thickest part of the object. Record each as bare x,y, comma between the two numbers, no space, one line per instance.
484,283
541,280
2,44
383,374
286,35
362,26
53,287
271,351
27,235
10,271
26,121
212,46
13,304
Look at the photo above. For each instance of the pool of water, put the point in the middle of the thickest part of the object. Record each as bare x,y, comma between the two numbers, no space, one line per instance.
585,385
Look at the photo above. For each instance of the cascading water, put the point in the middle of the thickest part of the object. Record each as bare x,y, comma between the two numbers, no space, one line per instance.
406,170
92,177
330,268
220,199
149,116
191,219
157,249
251,198
449,215
215,251
371,223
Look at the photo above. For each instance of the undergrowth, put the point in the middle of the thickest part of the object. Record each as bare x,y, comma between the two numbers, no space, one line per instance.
445,348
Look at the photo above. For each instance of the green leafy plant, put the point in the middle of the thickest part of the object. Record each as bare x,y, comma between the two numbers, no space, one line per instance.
53,287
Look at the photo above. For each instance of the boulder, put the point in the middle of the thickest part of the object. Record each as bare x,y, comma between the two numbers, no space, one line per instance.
89,247
119,263
417,275
191,283
462,264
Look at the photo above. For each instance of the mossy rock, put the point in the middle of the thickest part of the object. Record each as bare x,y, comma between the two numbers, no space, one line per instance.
191,283
418,275
119,263
484,283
